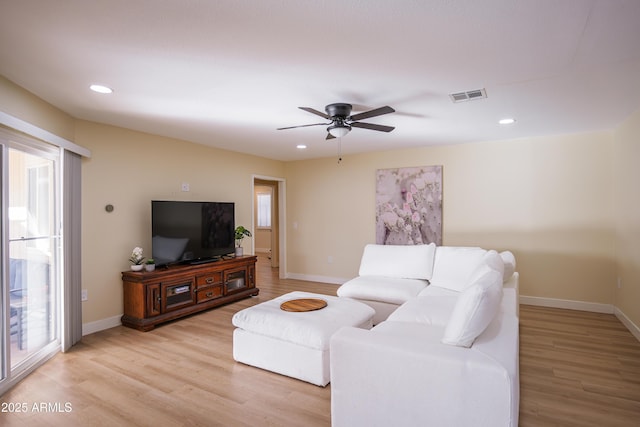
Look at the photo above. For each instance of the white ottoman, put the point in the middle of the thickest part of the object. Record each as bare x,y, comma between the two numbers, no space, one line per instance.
294,344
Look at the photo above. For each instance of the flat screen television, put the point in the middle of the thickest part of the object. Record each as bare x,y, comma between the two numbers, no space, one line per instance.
191,232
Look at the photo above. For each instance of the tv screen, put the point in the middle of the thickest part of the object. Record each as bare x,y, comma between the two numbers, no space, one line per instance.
193,232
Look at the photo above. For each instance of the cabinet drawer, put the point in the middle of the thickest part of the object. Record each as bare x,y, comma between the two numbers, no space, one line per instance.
209,279
210,293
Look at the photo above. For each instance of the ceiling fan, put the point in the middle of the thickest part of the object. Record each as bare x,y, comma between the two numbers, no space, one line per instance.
341,120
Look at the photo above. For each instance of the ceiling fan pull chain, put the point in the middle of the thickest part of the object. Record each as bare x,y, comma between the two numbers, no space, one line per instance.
339,150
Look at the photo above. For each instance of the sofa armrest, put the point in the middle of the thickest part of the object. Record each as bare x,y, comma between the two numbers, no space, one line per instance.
512,292
402,375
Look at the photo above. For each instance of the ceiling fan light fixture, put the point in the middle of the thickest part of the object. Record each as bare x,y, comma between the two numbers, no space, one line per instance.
339,130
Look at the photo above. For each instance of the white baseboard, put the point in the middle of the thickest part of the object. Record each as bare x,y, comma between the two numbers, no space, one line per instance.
100,325
312,278
632,327
568,304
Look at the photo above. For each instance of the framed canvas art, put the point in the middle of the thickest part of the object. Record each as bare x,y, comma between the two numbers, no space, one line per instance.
409,206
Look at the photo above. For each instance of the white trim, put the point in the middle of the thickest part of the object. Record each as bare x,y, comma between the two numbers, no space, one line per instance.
632,327
34,362
313,278
101,325
568,304
44,135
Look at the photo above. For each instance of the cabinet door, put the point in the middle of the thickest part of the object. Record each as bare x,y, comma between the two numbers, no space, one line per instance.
235,279
177,294
153,300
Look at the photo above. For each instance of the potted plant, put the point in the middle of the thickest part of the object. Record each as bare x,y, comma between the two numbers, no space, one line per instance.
136,259
240,233
150,265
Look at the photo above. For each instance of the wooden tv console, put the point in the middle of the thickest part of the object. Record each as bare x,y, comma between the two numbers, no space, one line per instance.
168,293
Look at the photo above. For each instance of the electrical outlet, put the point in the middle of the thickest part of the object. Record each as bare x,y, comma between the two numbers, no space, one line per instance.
185,186
85,295
619,282
330,259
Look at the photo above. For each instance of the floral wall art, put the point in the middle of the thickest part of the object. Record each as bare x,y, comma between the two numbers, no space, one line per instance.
409,206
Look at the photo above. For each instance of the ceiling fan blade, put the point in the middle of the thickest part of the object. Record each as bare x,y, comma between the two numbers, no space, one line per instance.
304,126
316,112
329,136
372,126
373,113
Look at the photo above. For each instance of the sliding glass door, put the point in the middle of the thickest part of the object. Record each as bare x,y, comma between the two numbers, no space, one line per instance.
30,249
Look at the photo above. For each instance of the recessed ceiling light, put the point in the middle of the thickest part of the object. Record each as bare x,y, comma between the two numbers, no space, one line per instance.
508,121
100,89
301,146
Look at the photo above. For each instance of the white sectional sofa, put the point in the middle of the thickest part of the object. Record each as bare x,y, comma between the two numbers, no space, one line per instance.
444,351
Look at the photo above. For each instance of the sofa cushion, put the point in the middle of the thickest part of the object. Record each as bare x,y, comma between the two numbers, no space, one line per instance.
494,260
311,329
474,310
386,289
433,290
428,310
413,330
509,261
490,261
454,265
402,262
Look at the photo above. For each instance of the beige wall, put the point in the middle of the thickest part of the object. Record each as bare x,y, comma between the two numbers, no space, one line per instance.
546,199
129,169
627,202
549,200
19,103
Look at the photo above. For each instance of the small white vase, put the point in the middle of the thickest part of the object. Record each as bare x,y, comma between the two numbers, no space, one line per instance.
149,267
239,251
136,267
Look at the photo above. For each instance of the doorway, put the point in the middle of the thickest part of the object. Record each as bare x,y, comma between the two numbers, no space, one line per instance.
30,256
268,201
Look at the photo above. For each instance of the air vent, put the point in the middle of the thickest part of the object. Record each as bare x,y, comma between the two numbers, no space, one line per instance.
469,95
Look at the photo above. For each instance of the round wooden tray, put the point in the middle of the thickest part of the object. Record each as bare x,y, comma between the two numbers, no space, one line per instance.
303,304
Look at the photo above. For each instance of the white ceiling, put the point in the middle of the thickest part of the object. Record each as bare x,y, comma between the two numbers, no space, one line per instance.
227,73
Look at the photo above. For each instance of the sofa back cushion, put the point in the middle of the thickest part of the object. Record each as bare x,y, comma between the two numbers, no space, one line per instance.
401,262
454,265
509,261
475,308
491,260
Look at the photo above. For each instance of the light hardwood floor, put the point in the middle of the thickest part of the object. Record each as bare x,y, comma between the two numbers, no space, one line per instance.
577,369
